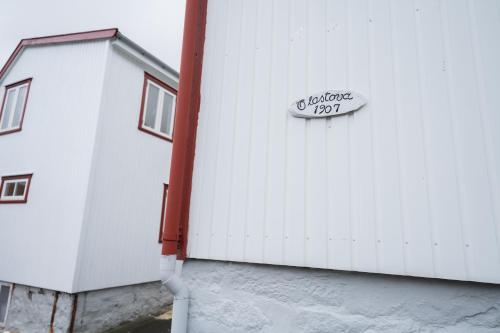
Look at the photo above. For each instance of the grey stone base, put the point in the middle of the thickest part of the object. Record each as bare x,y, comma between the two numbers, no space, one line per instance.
233,297
104,309
31,309
35,310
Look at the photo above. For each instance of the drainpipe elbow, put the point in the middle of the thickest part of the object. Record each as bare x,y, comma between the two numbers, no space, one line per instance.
167,267
177,287
170,271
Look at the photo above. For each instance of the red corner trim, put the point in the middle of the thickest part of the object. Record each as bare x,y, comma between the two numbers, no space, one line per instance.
186,122
57,39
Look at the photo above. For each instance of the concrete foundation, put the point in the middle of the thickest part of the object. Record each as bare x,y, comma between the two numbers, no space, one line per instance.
104,309
34,310
233,297
31,309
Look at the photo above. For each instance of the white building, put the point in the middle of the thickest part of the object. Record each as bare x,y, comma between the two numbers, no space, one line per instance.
390,215
85,137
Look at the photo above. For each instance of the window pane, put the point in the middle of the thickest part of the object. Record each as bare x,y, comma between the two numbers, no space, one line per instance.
166,116
9,189
7,109
21,186
4,298
151,106
21,99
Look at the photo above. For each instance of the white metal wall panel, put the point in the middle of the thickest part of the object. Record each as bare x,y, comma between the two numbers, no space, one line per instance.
119,243
407,185
39,240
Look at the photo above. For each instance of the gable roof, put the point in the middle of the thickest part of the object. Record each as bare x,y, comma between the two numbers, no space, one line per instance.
112,33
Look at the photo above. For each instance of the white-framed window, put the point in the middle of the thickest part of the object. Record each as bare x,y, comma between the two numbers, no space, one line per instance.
5,294
14,106
157,108
14,189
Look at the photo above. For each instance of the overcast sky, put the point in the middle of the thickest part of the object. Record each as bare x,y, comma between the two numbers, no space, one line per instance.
156,25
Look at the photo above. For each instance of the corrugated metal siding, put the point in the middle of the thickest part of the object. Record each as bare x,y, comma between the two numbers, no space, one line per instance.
408,185
39,239
119,244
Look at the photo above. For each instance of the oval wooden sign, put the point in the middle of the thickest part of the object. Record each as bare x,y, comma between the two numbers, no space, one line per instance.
326,104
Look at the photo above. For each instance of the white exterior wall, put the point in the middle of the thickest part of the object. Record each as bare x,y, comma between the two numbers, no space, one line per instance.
39,239
120,234
408,185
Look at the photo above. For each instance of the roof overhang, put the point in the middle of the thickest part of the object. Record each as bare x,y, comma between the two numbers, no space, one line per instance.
112,33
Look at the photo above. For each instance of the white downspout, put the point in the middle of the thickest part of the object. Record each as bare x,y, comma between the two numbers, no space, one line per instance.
170,271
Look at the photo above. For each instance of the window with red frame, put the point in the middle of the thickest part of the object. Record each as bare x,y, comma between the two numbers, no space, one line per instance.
14,189
157,108
14,106
163,211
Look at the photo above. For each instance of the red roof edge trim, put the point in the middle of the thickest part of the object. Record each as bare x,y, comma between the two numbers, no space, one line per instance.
56,39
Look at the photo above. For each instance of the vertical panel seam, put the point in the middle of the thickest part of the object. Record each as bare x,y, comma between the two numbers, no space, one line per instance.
422,129
266,180
252,106
372,136
327,122
217,145
306,141
349,143
445,35
396,107
202,120
235,121
285,205
484,131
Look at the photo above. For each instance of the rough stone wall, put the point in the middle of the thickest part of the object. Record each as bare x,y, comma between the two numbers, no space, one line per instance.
31,309
234,297
103,309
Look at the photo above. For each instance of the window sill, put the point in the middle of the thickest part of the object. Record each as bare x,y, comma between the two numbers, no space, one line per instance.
10,131
13,201
164,137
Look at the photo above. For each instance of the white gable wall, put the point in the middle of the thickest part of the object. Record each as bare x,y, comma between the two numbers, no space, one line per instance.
408,185
120,234
39,239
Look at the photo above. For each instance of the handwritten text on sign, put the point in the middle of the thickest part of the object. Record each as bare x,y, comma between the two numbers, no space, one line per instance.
326,104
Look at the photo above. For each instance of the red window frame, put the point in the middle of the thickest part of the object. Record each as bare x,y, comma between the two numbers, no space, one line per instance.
14,177
163,211
10,86
149,77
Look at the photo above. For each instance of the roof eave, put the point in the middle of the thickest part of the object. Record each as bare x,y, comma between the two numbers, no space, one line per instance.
112,33
146,54
57,39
